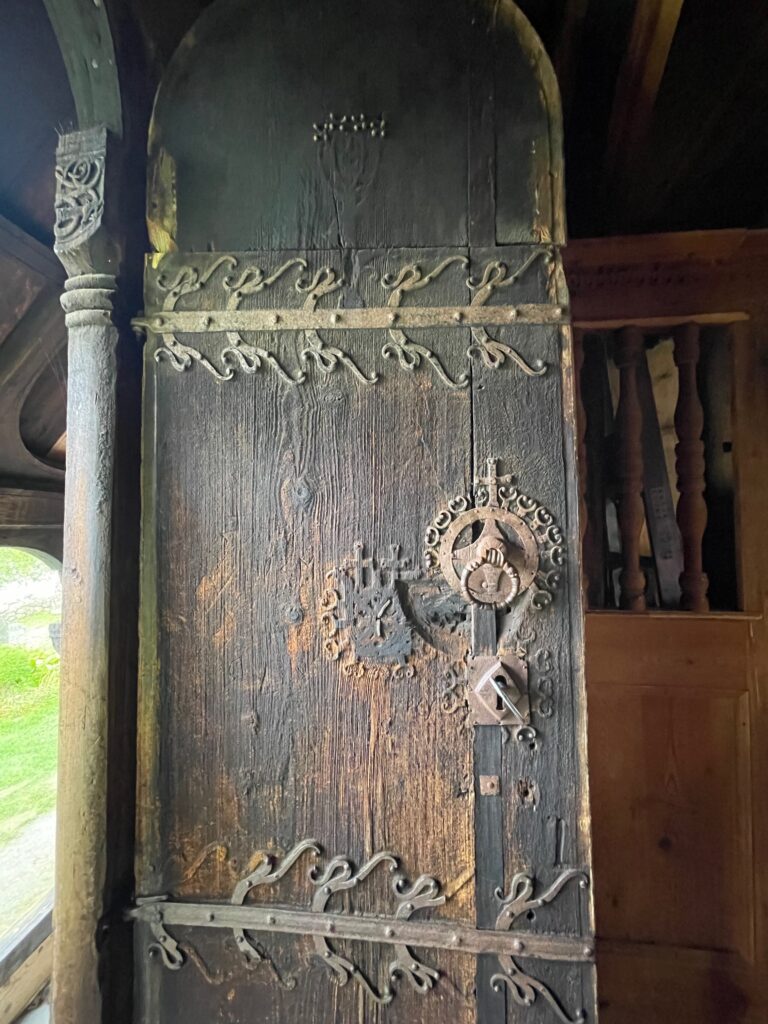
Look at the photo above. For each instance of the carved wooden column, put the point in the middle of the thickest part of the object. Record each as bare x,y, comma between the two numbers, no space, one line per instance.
690,466
629,350
81,843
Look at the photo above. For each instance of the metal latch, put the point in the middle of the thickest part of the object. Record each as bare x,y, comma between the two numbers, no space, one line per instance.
498,691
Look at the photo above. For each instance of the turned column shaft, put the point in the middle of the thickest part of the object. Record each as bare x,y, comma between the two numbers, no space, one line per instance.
81,901
690,468
82,781
630,349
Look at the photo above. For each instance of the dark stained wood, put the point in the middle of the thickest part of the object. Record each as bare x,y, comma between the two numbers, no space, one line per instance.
250,737
34,257
93,968
32,519
291,208
650,41
26,354
595,400
581,451
42,419
489,866
85,41
360,763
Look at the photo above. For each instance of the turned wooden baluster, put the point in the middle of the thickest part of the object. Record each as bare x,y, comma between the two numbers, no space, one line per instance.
581,452
689,464
630,348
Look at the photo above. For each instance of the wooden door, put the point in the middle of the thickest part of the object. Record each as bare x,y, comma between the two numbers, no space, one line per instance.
361,633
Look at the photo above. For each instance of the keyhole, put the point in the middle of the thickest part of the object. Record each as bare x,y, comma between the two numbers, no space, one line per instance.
501,683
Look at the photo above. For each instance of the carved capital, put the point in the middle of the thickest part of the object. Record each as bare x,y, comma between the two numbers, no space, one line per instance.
81,241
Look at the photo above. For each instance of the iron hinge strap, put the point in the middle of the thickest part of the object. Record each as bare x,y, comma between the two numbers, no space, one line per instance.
209,321
428,934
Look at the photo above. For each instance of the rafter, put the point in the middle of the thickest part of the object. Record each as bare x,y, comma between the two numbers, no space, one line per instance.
567,49
23,248
642,70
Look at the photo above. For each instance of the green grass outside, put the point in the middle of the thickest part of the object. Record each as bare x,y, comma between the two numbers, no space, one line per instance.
29,703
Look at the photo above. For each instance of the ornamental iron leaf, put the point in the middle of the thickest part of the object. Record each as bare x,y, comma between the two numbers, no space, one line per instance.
523,987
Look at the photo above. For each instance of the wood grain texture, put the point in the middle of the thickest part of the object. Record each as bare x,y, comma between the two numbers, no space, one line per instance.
251,738
679,278
436,80
300,748
670,725
657,497
718,663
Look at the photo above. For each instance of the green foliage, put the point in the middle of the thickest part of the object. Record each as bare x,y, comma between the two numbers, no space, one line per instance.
29,711
29,691
17,565
23,669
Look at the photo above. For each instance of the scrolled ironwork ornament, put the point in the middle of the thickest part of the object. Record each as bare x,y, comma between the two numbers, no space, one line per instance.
496,545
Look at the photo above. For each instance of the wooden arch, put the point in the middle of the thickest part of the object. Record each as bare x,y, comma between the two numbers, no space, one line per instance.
85,39
209,90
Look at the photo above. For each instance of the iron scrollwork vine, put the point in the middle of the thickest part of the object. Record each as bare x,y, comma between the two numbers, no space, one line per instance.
523,987
239,354
80,186
339,875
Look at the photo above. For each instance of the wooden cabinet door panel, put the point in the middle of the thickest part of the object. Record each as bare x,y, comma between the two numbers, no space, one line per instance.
672,788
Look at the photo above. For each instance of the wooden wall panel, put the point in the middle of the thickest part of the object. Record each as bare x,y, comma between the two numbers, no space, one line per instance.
669,713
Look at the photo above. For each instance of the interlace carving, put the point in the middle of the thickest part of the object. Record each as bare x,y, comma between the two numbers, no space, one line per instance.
79,205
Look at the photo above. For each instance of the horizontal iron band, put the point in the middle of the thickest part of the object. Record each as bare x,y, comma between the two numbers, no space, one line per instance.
428,934
220,321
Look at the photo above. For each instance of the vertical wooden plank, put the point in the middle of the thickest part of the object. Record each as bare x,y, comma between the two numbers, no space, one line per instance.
489,867
489,831
750,428
629,349
256,738
689,463
581,458
481,126
528,423
594,392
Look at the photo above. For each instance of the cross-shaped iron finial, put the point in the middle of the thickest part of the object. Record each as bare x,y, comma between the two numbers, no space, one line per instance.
492,481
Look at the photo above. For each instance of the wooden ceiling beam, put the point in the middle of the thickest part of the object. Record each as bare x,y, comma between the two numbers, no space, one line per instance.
25,353
567,49
642,70
26,250
85,40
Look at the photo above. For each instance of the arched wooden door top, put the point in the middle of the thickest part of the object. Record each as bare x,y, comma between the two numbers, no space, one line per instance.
295,130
